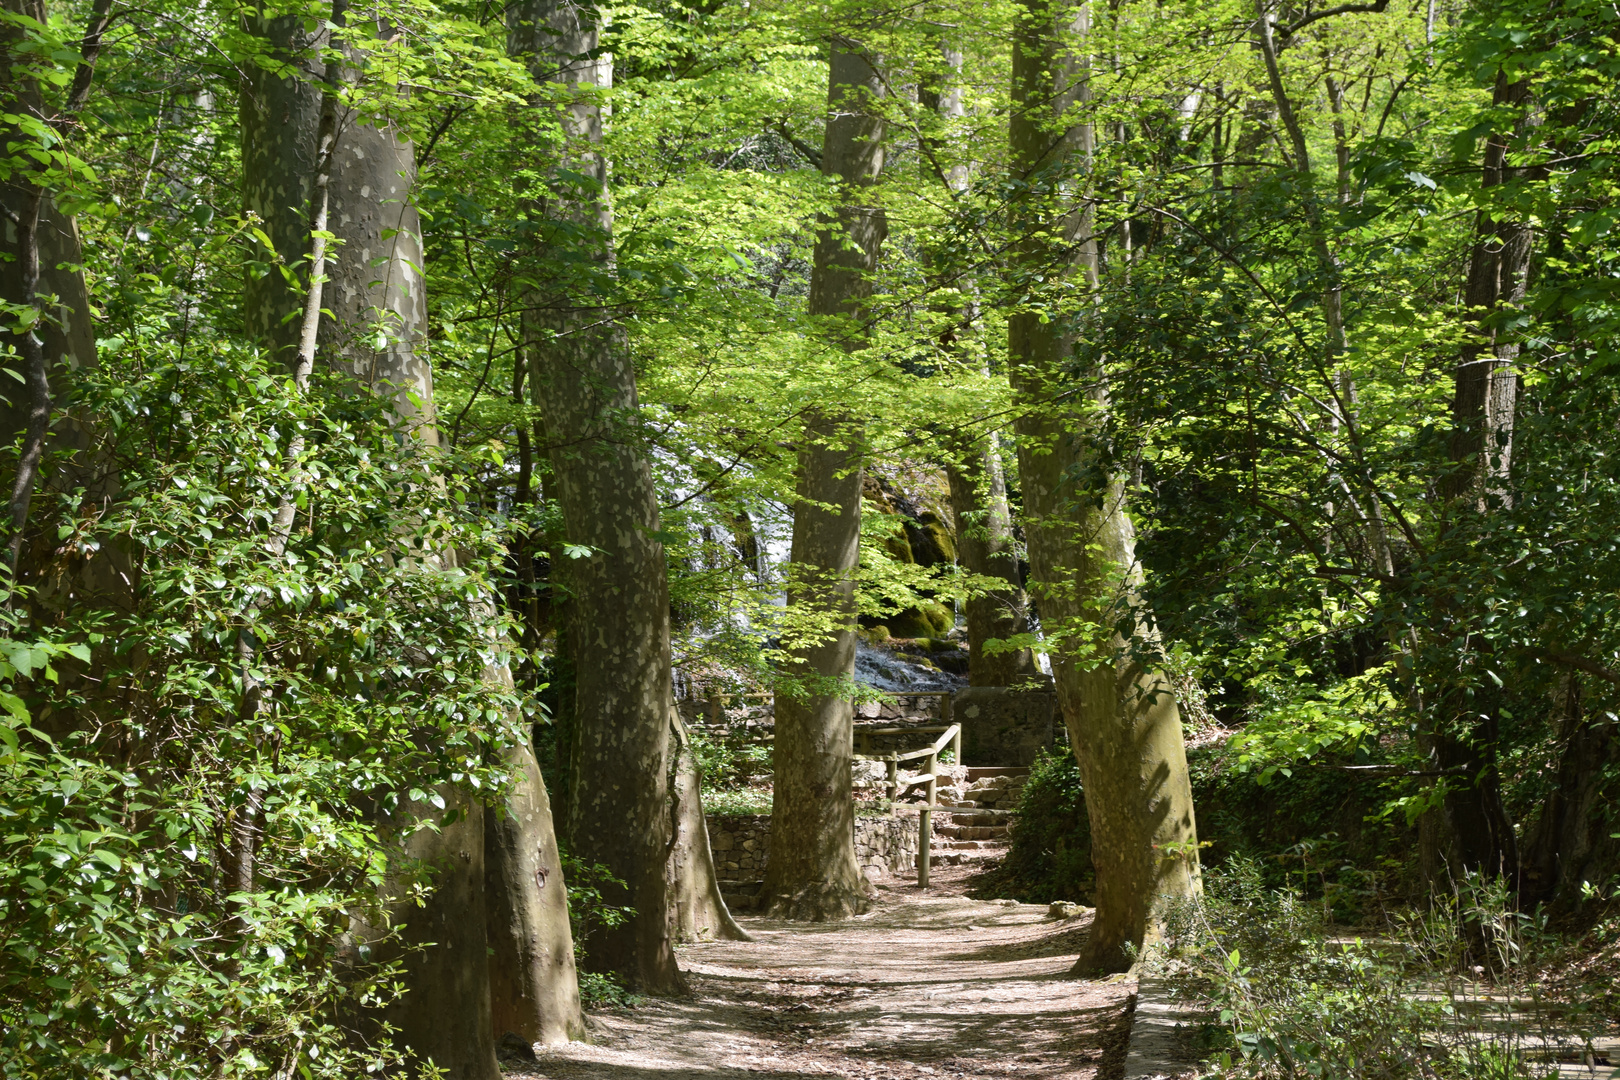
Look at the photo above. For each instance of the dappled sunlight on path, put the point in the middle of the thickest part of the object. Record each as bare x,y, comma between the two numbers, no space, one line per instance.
921,986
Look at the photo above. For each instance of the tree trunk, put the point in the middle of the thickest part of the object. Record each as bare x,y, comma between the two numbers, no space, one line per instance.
534,990
375,288
1473,832
585,383
978,486
1570,844
1120,709
812,873
697,911
41,253
984,547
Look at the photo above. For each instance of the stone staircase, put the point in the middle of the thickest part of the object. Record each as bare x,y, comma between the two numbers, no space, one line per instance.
979,816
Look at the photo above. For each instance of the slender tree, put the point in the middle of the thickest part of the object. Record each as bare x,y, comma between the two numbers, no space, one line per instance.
585,384
978,485
1119,707
812,873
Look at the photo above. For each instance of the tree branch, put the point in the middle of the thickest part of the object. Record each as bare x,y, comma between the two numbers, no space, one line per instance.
1338,9
808,152
1579,663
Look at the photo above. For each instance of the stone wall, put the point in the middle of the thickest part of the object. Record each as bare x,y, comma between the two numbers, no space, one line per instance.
1002,726
884,846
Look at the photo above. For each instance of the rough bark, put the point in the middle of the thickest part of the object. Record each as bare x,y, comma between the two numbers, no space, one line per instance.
697,911
374,288
584,380
985,547
534,990
812,872
1120,710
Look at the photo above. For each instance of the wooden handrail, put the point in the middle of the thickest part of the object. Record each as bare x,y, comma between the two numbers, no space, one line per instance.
948,734
920,729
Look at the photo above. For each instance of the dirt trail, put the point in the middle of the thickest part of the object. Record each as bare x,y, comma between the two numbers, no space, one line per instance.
923,986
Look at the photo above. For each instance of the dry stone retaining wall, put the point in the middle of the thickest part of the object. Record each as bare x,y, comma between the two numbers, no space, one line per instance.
884,846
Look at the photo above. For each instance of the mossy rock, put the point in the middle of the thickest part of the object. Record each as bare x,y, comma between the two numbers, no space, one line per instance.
876,635
930,541
928,620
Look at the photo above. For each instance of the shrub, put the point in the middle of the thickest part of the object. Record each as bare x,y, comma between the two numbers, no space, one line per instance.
1049,855
1292,995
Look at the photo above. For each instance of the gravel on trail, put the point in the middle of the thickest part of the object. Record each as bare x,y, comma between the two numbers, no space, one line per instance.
925,986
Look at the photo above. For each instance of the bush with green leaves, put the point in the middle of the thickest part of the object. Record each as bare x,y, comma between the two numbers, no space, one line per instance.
131,764
1449,991
1049,857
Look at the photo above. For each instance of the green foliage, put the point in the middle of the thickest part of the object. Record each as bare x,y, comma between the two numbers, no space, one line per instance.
588,913
1049,857
1449,993
127,949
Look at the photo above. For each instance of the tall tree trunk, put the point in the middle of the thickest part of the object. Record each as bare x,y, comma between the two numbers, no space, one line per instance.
375,289
697,911
1473,831
1119,707
812,873
585,382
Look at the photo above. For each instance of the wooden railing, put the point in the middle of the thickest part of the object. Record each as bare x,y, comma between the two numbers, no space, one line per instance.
949,734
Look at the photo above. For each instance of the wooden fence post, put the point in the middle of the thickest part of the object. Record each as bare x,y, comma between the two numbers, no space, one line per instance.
925,827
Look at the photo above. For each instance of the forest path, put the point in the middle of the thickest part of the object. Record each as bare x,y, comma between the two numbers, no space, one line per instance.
924,985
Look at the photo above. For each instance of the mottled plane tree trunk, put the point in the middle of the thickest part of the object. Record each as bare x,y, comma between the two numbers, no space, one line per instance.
375,295
812,872
1118,705
584,381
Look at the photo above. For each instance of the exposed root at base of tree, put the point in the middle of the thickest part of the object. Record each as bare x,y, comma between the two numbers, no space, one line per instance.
925,985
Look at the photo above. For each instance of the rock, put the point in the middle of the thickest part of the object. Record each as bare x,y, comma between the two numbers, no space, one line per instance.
724,842
514,1047
1063,909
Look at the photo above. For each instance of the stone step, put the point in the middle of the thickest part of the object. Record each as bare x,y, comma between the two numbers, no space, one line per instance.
957,858
968,845
972,832
980,772
961,816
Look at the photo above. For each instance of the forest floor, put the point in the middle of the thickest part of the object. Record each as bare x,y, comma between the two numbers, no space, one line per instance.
925,986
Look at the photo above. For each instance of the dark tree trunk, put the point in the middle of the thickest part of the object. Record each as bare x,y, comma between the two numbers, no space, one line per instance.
1120,710
984,547
41,251
1473,833
585,383
1570,844
812,873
